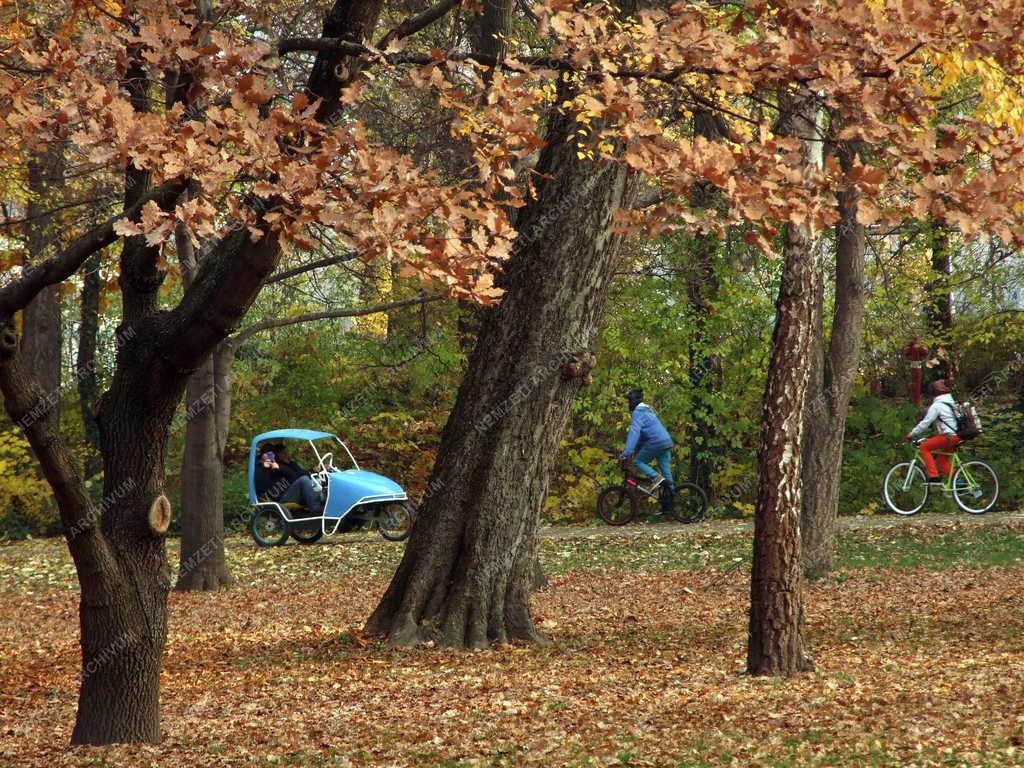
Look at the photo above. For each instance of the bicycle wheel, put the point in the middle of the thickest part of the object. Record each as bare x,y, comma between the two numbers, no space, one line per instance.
616,506
906,489
689,503
975,487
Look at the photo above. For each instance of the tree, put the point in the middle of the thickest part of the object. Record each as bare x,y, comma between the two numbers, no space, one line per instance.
42,332
776,645
118,545
468,568
702,289
833,371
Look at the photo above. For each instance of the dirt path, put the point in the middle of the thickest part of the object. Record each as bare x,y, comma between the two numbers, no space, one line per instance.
734,526
597,531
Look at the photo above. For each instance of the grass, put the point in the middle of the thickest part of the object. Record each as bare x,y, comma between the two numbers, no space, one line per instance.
918,640
44,563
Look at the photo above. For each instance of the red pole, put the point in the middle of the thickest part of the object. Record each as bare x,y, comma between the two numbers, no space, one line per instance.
916,354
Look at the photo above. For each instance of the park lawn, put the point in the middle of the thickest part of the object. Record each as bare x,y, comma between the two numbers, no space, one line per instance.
918,640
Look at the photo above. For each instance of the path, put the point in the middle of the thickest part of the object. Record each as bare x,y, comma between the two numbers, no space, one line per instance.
735,526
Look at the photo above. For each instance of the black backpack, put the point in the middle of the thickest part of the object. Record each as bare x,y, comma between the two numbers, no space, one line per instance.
968,425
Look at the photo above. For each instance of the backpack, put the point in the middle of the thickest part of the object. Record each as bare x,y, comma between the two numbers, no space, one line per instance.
968,425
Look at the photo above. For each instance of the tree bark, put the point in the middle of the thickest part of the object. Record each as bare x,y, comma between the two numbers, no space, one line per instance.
86,376
468,569
832,377
776,643
41,320
940,301
702,289
203,564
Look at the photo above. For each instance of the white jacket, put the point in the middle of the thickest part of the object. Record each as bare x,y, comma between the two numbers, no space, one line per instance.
941,415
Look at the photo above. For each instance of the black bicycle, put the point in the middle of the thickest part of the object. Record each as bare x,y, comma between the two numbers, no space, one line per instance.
619,504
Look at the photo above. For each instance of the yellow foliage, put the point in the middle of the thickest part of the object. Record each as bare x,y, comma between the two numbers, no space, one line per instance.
377,325
1000,100
21,491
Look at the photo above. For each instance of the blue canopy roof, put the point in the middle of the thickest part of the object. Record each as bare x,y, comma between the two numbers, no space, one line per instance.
291,434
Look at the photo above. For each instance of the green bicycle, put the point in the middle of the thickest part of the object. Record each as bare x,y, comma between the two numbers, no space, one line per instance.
973,484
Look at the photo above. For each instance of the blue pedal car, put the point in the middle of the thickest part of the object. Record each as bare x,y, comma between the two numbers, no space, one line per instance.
352,497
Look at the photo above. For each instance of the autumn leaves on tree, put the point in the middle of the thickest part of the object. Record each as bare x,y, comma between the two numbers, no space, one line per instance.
229,148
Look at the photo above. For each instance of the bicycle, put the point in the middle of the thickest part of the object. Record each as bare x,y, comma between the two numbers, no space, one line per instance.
973,484
618,504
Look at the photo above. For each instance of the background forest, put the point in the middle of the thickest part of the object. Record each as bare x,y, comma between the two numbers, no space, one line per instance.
385,382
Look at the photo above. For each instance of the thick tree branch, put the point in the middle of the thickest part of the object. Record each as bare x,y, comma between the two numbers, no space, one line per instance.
16,295
227,283
414,24
331,314
358,50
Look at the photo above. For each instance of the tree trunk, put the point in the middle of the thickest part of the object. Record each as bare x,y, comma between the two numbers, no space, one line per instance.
702,289
85,362
117,548
468,569
940,300
41,321
203,564
831,384
776,642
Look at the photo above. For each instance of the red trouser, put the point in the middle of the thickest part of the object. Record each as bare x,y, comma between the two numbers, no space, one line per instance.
946,443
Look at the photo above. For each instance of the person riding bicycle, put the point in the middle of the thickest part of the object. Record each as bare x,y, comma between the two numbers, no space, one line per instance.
648,440
942,417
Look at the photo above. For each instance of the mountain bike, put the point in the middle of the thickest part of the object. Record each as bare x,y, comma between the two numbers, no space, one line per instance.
619,504
973,484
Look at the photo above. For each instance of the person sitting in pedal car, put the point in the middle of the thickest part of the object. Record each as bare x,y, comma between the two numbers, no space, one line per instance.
942,417
278,478
648,440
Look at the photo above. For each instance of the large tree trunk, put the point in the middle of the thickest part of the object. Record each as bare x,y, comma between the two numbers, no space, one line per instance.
468,568
776,642
831,385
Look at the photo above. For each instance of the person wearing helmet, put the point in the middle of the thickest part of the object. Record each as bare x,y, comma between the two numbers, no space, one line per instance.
648,441
942,417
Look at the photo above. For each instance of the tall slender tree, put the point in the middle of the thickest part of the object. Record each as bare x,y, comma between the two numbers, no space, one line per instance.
833,373
776,644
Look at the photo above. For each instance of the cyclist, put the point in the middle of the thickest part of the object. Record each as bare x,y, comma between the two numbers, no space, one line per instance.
648,440
942,417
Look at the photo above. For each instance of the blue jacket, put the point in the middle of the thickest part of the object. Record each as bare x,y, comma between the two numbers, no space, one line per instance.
646,432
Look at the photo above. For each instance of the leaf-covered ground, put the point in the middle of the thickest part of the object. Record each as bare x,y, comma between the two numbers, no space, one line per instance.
919,643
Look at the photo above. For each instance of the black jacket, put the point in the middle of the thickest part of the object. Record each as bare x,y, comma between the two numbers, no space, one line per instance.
272,483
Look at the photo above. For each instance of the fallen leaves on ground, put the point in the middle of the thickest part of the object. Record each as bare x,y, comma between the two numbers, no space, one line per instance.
914,667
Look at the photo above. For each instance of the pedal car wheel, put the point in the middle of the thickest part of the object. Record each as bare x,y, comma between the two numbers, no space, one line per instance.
268,527
310,533
396,524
